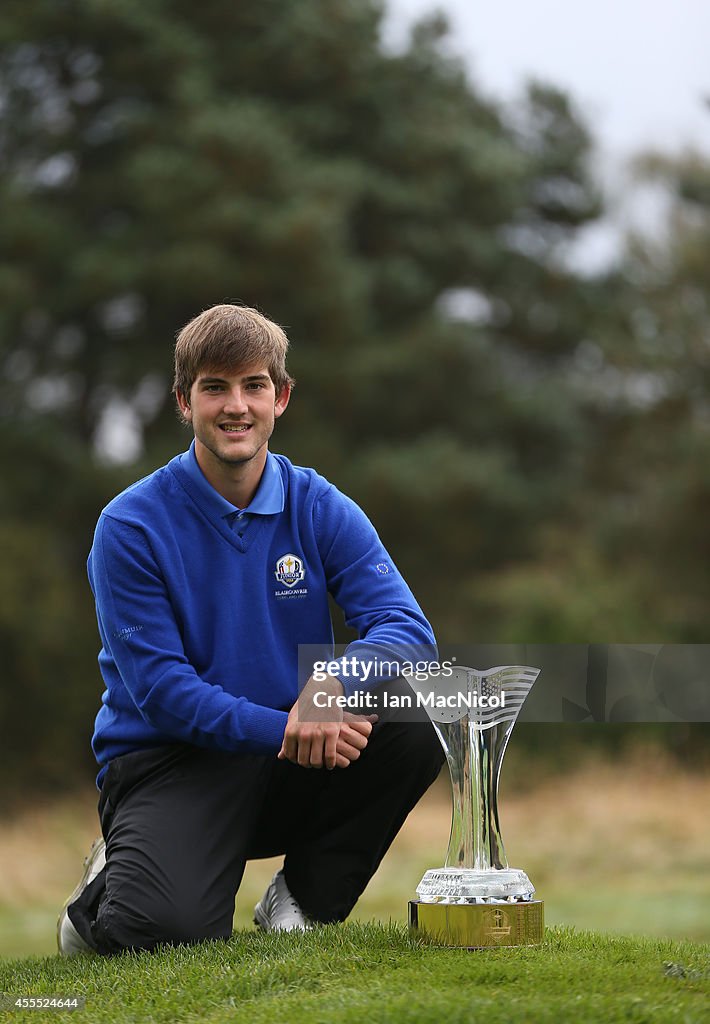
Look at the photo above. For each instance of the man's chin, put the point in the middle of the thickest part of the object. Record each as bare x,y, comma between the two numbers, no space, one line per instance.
227,457
230,454
234,459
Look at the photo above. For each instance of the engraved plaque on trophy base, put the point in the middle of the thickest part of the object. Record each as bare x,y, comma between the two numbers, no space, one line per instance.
478,925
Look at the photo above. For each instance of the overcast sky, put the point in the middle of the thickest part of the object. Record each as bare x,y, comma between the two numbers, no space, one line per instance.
638,68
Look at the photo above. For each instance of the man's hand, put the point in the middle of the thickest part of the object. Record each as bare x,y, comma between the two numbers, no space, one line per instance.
318,737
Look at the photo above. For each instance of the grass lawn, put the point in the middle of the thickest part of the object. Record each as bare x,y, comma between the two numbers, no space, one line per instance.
616,850
369,972
611,847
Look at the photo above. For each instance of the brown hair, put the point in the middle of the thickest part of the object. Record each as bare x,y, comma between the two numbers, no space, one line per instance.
227,337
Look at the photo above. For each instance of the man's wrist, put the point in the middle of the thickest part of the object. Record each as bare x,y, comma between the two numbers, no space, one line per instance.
320,697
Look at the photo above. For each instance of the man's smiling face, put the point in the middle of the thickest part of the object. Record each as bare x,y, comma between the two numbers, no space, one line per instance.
233,415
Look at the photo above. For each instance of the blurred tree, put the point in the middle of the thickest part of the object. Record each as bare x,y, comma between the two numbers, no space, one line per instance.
159,158
408,231
664,448
630,563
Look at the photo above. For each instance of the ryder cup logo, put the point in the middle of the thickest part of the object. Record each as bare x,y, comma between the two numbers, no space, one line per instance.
289,570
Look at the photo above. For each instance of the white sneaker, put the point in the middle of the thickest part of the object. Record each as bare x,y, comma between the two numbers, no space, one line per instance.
278,911
69,941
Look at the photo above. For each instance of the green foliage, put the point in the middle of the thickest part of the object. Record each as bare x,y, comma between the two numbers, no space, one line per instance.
370,972
152,168
158,158
648,478
48,509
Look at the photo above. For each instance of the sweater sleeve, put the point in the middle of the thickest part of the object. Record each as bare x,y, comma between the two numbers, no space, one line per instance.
370,590
140,634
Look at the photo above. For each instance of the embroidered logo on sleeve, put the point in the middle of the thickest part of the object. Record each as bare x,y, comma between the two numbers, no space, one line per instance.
382,569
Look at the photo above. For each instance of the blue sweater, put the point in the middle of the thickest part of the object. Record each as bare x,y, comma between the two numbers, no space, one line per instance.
200,625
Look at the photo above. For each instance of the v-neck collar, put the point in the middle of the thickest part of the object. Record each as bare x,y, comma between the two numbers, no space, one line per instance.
268,500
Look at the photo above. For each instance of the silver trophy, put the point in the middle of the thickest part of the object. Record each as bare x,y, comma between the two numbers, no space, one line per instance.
476,900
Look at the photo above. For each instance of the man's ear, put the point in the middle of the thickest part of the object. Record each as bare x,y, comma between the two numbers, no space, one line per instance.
282,400
184,406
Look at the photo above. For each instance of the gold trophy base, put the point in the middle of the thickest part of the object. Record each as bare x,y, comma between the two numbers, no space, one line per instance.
478,925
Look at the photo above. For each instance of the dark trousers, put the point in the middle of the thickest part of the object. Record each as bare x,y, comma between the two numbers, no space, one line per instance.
180,823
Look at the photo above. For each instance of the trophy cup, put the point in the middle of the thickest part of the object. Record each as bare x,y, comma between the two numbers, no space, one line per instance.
475,900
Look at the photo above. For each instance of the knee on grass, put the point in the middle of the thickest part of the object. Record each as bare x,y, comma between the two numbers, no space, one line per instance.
171,924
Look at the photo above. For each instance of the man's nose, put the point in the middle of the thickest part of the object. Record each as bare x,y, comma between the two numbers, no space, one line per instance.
235,402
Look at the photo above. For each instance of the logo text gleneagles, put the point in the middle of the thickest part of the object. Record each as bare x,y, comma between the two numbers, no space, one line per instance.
289,570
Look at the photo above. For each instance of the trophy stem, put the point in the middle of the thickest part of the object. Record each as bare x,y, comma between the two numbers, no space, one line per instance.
488,849
474,758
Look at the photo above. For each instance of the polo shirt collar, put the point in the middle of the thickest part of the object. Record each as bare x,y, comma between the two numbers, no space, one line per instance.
268,500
